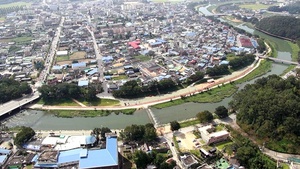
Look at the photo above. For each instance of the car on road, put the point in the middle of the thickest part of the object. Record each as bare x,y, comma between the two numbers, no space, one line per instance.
172,144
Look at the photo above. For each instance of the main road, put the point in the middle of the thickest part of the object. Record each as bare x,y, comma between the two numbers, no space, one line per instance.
51,55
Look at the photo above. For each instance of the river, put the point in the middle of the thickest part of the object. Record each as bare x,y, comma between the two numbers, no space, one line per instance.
41,120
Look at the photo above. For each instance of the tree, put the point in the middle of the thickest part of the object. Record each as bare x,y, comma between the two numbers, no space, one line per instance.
150,133
25,134
205,116
141,159
221,112
103,131
174,125
269,109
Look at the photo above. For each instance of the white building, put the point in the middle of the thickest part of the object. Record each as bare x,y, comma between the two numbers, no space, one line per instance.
213,137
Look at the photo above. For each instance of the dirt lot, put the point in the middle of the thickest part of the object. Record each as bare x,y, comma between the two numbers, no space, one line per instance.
78,55
186,141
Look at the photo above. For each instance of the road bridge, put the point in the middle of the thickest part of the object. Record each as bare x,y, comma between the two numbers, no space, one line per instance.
280,60
8,107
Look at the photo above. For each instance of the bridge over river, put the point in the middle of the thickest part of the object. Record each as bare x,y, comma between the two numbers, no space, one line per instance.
8,107
280,60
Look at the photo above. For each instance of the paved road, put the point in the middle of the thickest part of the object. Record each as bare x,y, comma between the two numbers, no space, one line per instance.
51,55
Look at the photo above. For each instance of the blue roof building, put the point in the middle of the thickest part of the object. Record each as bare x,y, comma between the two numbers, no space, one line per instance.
79,65
85,158
83,83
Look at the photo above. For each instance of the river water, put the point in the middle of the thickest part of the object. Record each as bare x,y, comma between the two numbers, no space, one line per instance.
41,120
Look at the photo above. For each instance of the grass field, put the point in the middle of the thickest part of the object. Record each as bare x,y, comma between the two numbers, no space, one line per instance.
22,39
254,6
77,55
58,102
89,113
15,4
262,69
2,19
120,77
142,58
212,96
100,102
62,58
295,50
189,123
221,145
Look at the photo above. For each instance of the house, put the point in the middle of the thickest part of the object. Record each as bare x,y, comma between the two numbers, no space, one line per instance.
83,83
212,137
4,154
81,157
62,53
188,161
79,66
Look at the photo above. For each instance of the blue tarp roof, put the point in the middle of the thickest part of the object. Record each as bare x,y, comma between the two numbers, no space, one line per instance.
80,64
83,83
224,62
107,77
90,139
236,48
254,43
92,71
4,151
2,158
107,58
56,67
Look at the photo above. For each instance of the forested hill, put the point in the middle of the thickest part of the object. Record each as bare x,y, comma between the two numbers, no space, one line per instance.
284,26
269,109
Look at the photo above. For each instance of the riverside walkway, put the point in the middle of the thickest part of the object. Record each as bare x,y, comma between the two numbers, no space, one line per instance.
143,103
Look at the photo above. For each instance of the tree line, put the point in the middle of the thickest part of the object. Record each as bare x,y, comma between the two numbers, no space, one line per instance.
284,26
139,133
293,8
270,110
68,90
11,89
133,89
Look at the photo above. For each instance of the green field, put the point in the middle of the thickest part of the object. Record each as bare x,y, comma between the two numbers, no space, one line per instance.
295,50
120,77
15,4
62,58
142,58
255,6
211,96
2,19
100,102
58,102
189,123
262,69
18,40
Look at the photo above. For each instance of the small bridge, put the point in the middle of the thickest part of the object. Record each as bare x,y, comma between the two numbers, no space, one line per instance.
8,107
280,60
